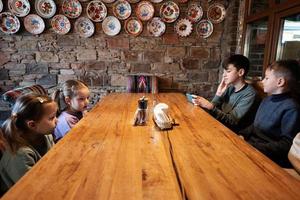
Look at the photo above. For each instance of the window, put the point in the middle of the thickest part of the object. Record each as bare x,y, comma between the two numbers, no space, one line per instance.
271,32
288,45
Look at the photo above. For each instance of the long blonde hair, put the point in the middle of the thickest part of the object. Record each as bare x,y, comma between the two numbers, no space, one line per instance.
69,89
27,107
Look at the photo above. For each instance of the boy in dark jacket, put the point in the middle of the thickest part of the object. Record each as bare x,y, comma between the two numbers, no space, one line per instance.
277,120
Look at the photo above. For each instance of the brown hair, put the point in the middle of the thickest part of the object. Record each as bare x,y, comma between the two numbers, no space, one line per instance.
27,107
239,62
69,89
290,71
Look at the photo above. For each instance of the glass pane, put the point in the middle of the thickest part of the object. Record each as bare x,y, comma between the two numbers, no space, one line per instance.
258,6
256,37
289,40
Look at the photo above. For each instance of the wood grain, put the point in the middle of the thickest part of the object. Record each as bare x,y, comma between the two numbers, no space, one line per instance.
105,157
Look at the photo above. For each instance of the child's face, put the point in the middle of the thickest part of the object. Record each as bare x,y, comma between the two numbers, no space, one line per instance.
81,100
48,122
270,82
231,74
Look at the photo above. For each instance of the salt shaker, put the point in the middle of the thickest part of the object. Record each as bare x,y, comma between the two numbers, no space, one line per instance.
140,116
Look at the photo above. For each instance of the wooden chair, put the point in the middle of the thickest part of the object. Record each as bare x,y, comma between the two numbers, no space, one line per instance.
142,84
12,95
258,86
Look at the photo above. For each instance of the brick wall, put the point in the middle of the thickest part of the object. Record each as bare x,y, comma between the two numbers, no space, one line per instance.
189,64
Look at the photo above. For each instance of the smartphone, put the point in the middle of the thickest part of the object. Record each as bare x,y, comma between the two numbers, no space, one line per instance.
190,97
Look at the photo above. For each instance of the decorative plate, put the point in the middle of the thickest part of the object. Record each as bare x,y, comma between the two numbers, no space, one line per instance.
156,27
184,27
60,24
156,1
111,26
71,8
20,8
122,9
9,23
194,12
205,28
133,1
108,1
96,11
34,24
144,10
169,11
45,8
216,13
133,26
1,5
84,27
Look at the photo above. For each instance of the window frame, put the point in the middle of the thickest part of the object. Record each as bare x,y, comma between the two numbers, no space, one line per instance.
274,13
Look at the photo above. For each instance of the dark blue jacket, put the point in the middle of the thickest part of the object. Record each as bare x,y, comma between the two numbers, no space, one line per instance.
276,123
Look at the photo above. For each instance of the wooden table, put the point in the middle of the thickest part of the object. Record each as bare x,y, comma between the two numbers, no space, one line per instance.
105,157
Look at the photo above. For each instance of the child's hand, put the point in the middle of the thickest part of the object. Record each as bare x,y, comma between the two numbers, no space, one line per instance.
221,88
204,103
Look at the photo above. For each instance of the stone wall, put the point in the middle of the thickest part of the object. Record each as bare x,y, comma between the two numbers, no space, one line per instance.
189,64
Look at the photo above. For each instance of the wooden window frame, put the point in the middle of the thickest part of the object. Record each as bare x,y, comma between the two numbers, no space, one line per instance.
275,12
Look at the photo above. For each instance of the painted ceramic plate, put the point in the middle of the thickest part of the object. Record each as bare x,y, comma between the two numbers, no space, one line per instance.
1,5
145,10
20,8
122,9
169,11
156,1
84,27
194,12
216,13
34,24
156,27
45,8
9,23
108,1
71,8
60,24
184,27
133,26
96,11
205,28
111,26
133,1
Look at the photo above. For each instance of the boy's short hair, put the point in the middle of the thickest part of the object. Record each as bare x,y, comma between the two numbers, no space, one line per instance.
238,61
289,69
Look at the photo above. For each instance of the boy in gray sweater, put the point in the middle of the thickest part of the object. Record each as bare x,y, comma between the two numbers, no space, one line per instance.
235,101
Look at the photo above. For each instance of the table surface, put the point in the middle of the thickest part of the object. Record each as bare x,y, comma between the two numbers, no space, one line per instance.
105,157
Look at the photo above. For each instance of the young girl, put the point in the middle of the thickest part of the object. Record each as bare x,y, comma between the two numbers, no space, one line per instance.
72,100
26,136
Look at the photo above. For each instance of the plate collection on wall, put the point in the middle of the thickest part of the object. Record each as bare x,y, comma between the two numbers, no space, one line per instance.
130,15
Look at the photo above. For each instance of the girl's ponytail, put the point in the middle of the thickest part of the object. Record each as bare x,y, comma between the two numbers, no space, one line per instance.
59,98
2,142
11,134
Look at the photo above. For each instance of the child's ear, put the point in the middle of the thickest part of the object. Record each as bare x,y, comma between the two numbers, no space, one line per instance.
241,72
68,100
281,82
30,124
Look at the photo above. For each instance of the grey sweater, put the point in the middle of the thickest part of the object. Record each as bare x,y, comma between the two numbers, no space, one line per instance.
14,166
236,110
